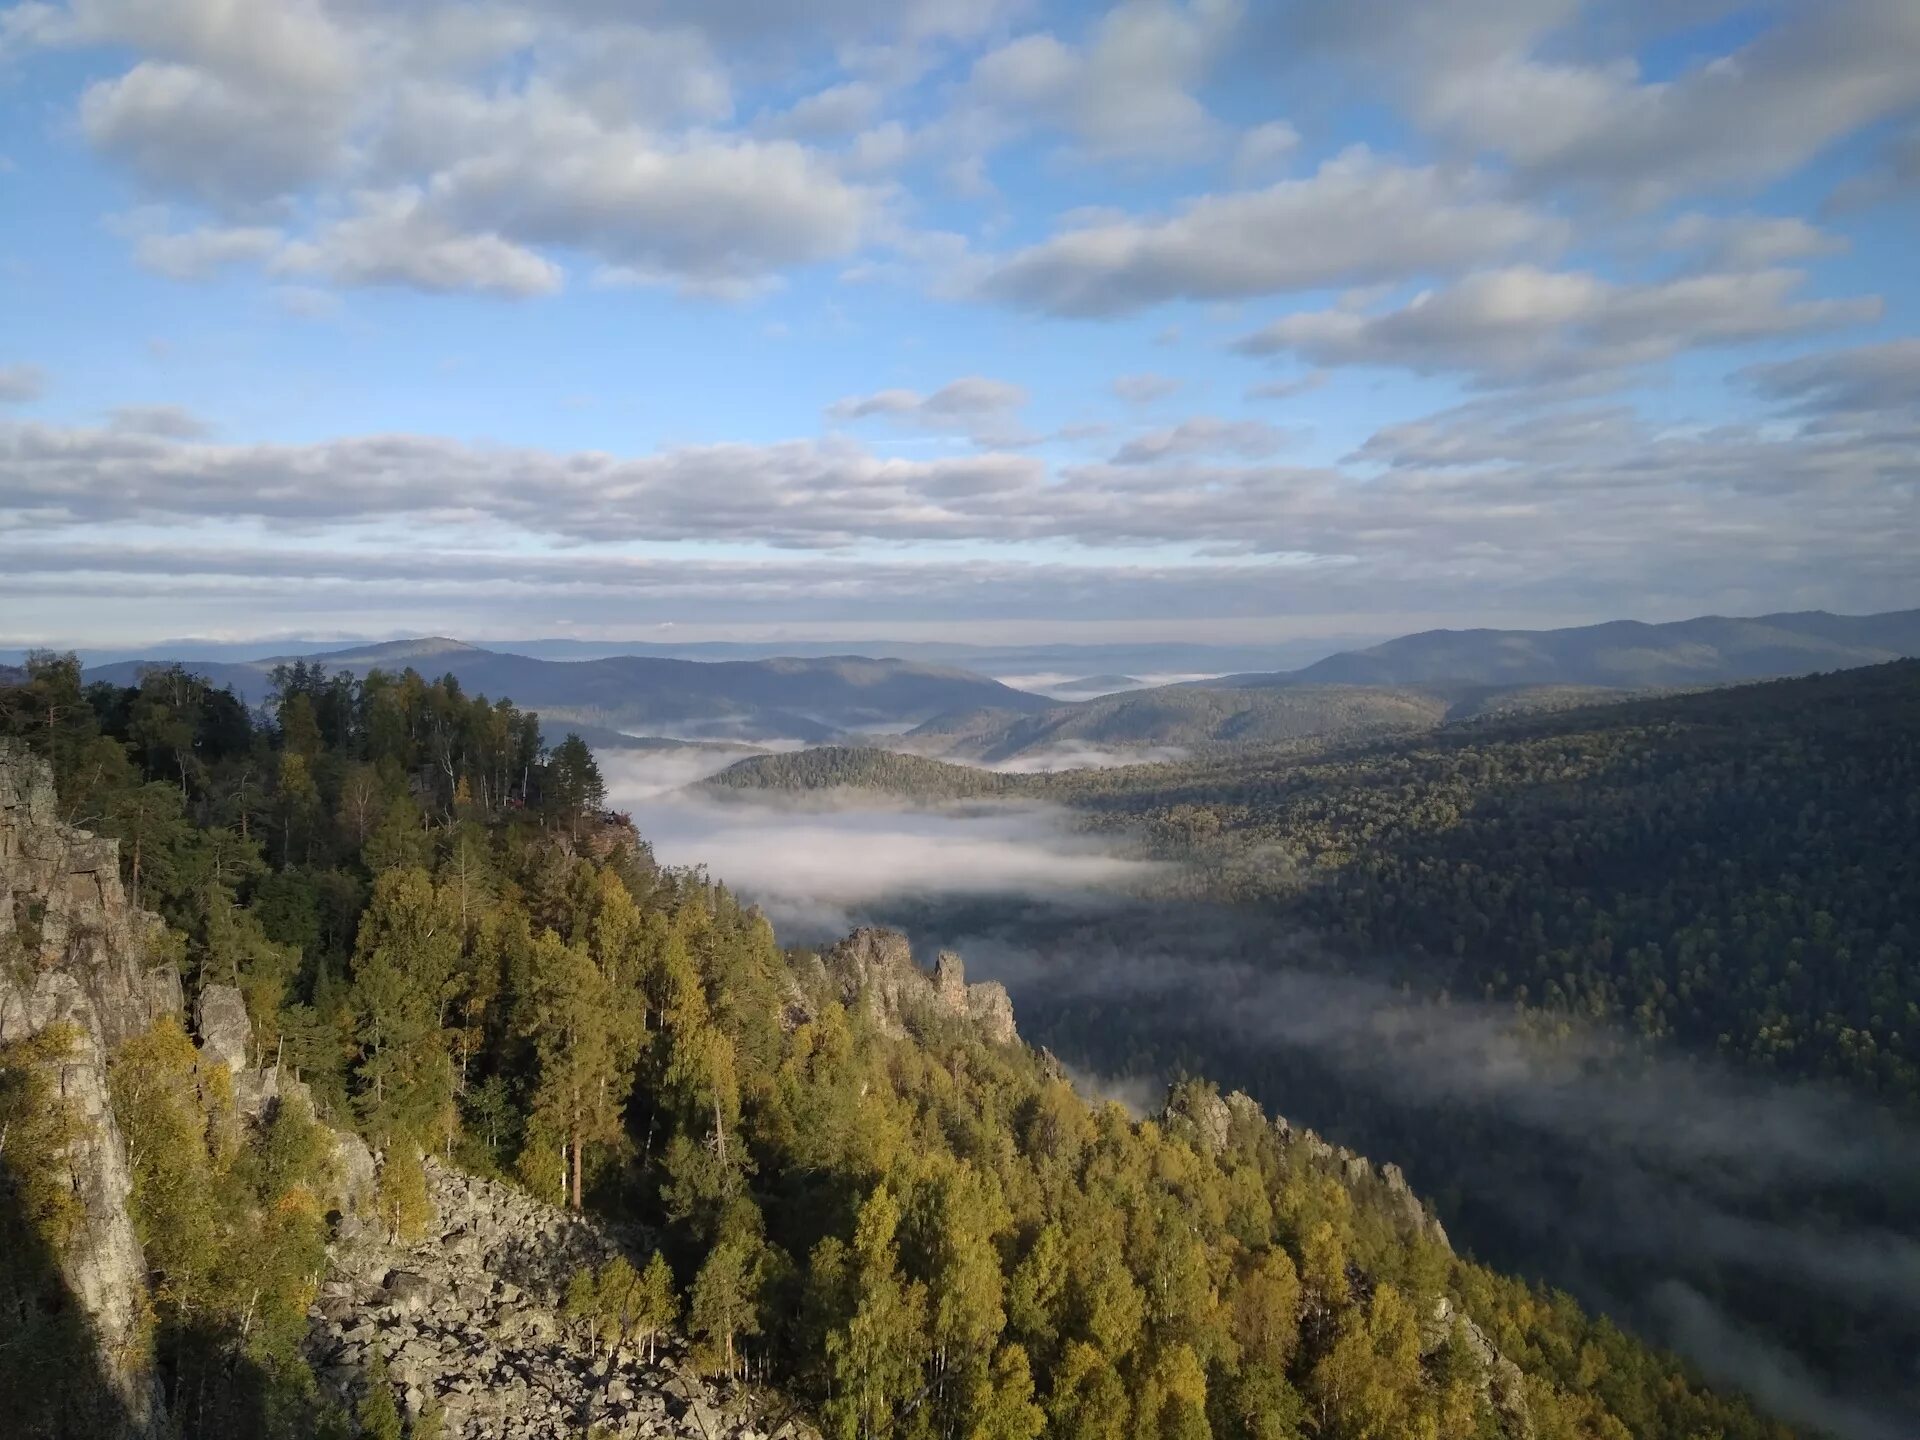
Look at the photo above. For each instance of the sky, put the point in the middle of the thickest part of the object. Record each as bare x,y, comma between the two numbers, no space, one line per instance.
1237,320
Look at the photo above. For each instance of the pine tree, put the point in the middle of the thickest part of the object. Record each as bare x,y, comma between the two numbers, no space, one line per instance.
406,955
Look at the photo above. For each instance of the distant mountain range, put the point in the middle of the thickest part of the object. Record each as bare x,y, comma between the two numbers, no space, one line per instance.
809,700
1003,661
1413,682
1620,654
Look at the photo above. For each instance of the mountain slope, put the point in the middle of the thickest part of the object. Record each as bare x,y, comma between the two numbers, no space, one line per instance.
1187,718
857,1180
787,698
1708,650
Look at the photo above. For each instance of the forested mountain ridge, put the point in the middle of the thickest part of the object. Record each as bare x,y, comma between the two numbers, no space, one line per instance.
1210,717
1185,717
1733,869
783,698
1626,654
914,1225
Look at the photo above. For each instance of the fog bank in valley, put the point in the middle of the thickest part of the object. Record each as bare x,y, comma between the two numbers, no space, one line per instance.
1657,1187
819,866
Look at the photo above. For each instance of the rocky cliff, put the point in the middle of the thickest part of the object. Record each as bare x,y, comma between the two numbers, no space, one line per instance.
875,968
73,952
468,1316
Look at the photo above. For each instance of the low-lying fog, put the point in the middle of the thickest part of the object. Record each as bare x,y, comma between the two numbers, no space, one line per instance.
1060,685
816,867
1712,1211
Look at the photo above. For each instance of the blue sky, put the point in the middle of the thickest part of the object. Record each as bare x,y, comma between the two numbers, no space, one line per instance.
952,318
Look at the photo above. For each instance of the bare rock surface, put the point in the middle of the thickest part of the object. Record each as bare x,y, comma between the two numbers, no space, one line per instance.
72,953
220,1019
875,967
470,1315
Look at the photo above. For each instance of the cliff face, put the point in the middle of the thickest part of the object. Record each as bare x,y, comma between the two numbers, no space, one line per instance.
468,1316
876,968
73,952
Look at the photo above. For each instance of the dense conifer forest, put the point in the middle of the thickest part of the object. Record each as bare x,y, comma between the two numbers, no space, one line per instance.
921,1234
1735,870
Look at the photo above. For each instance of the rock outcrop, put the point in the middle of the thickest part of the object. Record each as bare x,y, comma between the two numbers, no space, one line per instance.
73,953
470,1316
875,968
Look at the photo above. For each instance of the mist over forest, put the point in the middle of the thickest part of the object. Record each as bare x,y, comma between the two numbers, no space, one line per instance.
1745,1223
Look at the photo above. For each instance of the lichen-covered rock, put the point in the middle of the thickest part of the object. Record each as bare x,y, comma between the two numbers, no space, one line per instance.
469,1316
875,968
72,951
1501,1381
220,1019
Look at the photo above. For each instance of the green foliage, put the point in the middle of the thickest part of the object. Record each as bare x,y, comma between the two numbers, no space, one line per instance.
461,955
400,1200
377,1413
234,1236
617,1305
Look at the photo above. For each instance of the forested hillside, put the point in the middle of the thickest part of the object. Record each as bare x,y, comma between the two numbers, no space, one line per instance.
1188,717
914,1228
1734,870
1707,650
782,698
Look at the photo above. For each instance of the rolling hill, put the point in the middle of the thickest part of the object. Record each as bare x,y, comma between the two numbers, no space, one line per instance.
1624,654
811,700
1178,717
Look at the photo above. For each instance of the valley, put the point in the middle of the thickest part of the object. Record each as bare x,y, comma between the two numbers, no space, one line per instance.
1499,935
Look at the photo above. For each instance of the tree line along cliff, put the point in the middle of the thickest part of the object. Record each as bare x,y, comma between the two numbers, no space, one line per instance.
861,1184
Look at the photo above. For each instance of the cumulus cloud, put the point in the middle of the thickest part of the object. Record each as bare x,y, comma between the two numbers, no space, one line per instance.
186,132
1128,92
1750,242
1525,323
1869,381
1144,389
1358,220
1567,103
1264,149
983,409
1286,389
458,149
396,238
1203,435
837,110
198,253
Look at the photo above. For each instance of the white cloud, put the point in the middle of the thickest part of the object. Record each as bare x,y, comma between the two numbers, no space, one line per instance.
1128,92
460,148
1821,72
1203,435
1264,150
197,254
1750,242
1286,389
187,132
837,110
1144,389
1359,219
1523,323
397,239
1870,382
983,409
